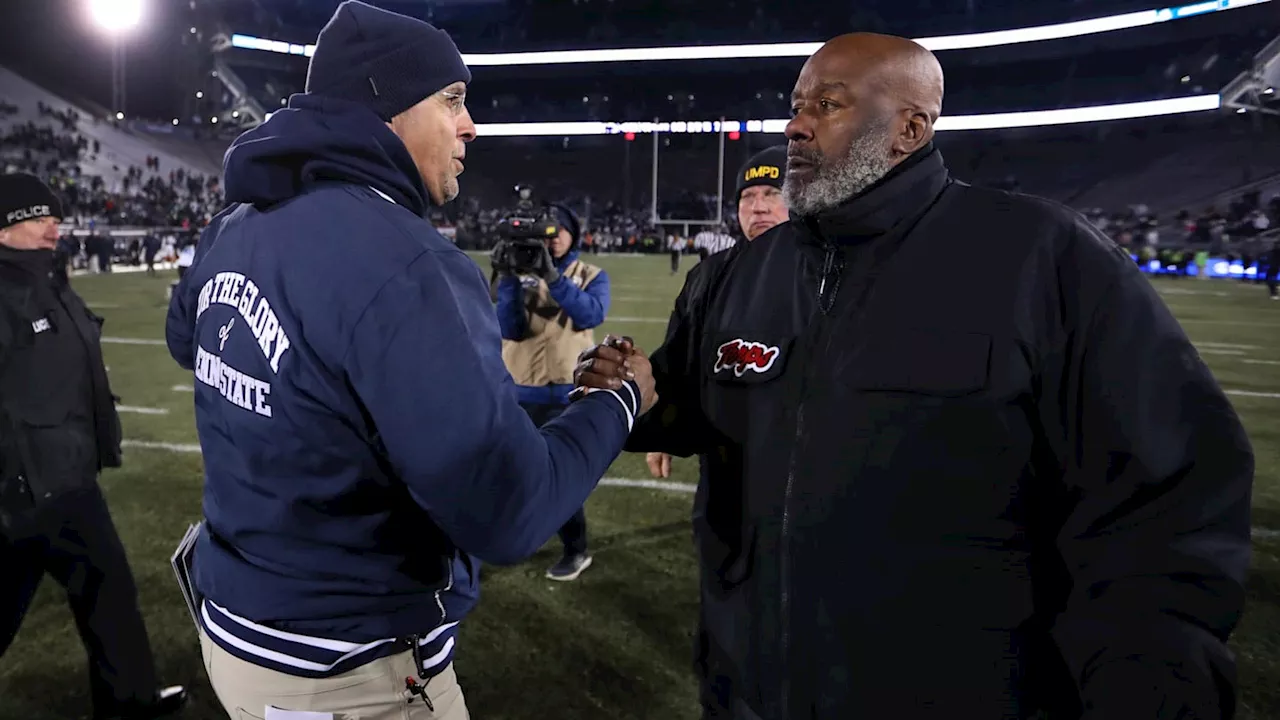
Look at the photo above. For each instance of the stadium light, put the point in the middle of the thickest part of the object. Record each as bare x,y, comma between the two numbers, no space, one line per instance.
119,116
1056,31
988,121
116,16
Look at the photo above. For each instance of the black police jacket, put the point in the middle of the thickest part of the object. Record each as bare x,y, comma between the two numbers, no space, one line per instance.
961,463
58,422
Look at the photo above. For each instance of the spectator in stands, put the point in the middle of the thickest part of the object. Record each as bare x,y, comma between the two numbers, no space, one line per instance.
371,450
547,317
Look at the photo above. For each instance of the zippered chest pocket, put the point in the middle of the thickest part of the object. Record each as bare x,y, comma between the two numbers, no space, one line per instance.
744,378
921,402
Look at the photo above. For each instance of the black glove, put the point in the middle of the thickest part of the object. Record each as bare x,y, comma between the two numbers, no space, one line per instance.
499,260
546,267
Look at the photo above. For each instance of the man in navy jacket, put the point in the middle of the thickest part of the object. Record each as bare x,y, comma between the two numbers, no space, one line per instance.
547,316
364,445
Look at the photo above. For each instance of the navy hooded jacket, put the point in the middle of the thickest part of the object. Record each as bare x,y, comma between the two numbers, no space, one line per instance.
362,438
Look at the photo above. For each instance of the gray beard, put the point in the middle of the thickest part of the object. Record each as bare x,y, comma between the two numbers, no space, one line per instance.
833,183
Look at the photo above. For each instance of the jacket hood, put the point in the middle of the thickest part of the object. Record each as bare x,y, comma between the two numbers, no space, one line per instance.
317,140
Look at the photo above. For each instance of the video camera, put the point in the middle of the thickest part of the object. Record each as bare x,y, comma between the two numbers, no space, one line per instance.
523,235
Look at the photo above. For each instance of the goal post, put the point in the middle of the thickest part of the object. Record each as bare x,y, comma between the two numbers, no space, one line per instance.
719,129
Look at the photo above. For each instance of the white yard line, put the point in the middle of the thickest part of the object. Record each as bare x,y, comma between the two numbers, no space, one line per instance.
624,319
1251,393
649,484
1236,323
1217,351
141,410
171,447
1179,291
132,341
1261,362
1226,346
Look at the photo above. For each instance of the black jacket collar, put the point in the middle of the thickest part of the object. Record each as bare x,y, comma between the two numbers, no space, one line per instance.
895,200
37,263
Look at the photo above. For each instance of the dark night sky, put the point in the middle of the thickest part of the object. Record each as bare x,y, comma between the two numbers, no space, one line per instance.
55,43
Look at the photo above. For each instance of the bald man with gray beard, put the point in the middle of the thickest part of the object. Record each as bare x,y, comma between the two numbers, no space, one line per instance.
962,462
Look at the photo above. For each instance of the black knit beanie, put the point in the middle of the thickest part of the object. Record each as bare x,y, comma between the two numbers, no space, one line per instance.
25,197
767,167
382,60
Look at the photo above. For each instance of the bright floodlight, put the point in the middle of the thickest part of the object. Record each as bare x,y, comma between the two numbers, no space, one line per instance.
116,16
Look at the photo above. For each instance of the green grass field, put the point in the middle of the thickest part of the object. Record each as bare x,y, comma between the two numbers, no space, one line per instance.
615,644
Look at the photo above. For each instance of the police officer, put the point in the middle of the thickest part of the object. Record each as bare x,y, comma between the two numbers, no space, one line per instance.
547,319
58,429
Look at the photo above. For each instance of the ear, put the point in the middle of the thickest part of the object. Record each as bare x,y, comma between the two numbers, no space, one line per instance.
915,131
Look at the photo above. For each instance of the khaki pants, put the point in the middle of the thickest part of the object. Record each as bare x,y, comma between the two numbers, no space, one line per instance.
374,691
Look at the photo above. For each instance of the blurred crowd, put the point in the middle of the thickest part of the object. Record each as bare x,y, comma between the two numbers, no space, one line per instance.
177,203
54,149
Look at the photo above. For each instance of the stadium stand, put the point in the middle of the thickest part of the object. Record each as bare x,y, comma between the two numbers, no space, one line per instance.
122,149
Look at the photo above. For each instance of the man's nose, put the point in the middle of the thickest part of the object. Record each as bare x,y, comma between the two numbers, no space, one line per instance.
799,128
466,127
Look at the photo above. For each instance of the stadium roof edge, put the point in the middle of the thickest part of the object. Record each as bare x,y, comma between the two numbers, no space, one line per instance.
967,41
987,121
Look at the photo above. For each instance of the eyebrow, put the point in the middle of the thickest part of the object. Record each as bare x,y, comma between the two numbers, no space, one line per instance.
823,86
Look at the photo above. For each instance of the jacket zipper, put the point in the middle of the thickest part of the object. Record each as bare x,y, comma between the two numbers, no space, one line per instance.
830,280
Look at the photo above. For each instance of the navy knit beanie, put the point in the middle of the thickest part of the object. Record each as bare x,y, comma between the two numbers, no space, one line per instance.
382,60
567,220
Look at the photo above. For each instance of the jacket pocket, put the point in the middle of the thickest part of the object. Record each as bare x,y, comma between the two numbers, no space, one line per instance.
937,363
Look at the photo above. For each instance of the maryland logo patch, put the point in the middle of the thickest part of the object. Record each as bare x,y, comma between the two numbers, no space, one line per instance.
742,356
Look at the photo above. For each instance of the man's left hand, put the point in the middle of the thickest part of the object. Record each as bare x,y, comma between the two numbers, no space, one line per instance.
546,268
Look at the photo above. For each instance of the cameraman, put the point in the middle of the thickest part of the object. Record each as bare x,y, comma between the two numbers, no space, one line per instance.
546,312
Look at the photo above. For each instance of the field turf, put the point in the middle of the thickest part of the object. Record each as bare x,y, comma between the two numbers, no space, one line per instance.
616,644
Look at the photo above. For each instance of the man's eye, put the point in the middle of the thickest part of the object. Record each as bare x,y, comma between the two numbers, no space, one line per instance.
826,105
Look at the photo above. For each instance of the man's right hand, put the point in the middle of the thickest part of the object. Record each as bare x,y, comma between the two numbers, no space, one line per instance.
659,464
606,365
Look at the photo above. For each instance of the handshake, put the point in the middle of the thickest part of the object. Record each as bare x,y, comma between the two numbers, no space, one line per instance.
607,365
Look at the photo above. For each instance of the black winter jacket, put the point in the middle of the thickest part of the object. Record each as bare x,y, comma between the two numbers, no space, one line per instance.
961,462
58,422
